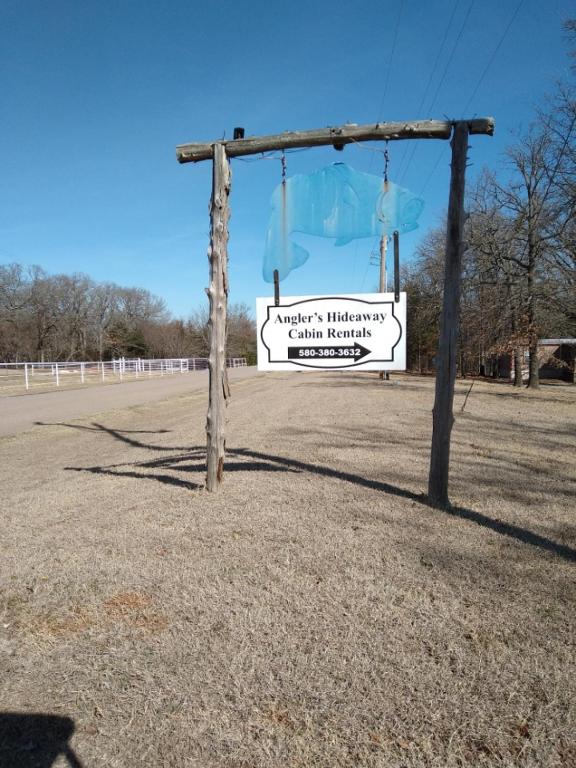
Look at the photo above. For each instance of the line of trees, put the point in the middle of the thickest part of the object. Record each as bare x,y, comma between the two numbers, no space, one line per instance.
71,317
519,264
519,277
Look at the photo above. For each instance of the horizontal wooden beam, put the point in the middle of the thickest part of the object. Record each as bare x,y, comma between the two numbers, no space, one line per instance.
345,134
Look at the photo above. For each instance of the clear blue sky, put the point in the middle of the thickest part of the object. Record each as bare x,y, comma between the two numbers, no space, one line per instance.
96,95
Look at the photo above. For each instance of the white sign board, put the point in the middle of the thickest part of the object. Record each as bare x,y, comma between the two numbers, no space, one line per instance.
365,331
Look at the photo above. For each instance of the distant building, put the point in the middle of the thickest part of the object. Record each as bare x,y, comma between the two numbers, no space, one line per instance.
556,358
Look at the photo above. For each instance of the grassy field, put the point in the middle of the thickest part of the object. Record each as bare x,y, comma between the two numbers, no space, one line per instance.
315,612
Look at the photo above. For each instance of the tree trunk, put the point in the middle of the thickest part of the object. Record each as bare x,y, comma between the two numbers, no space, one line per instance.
218,297
518,362
533,367
533,363
443,417
516,352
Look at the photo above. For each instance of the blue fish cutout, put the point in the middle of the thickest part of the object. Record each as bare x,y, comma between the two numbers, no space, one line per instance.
335,201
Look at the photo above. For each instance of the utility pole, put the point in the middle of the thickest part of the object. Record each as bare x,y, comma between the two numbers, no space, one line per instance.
219,152
383,270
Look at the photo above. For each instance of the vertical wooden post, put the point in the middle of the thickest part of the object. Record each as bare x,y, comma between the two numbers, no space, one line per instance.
218,298
443,417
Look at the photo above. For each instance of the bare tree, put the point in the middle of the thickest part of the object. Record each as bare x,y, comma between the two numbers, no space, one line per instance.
423,283
493,260
241,333
103,310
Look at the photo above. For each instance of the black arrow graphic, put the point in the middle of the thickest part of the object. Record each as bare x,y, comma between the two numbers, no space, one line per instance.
356,352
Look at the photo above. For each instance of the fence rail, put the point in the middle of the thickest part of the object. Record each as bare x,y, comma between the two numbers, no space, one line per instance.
35,376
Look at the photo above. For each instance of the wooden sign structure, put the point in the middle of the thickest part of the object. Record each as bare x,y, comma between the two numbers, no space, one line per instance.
220,152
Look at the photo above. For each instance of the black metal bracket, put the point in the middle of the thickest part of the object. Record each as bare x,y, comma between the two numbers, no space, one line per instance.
396,267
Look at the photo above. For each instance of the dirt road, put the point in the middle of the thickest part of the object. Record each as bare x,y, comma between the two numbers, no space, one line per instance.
21,412
315,612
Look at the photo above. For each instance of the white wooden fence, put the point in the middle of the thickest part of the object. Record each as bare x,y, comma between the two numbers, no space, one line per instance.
31,376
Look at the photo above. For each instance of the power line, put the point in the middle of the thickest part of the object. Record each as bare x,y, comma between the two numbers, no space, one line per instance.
439,54
389,69
429,83
378,117
455,46
443,78
477,86
390,58
433,171
493,56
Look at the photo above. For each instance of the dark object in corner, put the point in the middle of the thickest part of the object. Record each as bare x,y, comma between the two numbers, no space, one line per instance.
35,740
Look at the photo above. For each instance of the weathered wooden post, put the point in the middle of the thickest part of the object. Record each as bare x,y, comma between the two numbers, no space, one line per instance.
443,417
218,298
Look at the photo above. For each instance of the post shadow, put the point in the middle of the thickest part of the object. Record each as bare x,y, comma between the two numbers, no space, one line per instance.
35,740
98,428
498,526
259,461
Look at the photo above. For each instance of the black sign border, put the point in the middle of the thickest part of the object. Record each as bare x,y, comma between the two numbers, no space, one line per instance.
330,298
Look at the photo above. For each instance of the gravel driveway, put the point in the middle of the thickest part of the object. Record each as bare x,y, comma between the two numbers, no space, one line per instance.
20,412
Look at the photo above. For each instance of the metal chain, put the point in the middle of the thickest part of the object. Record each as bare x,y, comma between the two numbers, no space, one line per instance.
386,161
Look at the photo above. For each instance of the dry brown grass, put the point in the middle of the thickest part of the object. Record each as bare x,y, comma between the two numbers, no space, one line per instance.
131,608
316,612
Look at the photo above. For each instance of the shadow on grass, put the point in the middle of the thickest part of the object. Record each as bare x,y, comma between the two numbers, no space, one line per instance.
499,426
100,428
35,740
118,470
248,460
166,479
414,384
